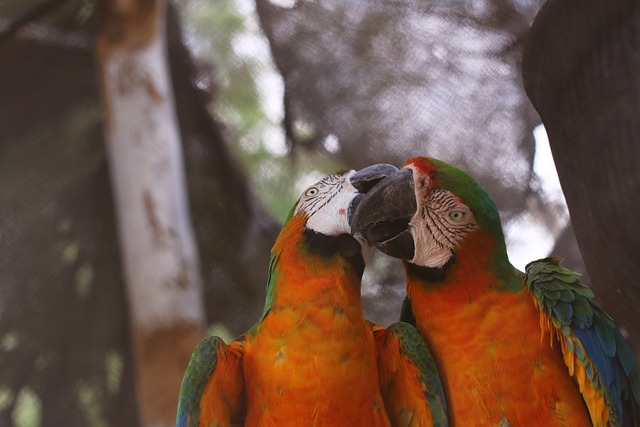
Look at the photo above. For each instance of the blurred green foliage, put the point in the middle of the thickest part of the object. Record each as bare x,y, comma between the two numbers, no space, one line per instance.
248,100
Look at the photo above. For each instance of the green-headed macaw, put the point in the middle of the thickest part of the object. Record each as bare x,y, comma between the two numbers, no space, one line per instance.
513,349
313,359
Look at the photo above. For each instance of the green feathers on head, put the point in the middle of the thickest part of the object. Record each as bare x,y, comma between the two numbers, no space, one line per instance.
451,178
458,182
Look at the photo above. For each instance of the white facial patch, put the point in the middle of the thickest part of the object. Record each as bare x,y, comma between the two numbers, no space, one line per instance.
440,223
327,204
428,252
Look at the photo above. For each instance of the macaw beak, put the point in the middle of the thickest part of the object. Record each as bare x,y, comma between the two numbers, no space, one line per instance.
365,179
382,216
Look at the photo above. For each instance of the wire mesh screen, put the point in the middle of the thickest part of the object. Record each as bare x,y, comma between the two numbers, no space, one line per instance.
270,96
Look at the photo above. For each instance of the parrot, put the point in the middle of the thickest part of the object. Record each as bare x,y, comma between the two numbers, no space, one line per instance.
513,348
312,358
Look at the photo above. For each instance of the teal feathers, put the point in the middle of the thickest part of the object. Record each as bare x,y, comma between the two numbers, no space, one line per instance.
590,337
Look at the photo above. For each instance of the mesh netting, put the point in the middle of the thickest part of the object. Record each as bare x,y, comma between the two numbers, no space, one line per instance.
269,97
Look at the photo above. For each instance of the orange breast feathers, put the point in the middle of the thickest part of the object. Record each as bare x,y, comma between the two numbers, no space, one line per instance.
222,398
302,275
494,367
313,359
322,369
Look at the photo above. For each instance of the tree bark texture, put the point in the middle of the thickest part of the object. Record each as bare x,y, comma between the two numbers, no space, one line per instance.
159,253
582,73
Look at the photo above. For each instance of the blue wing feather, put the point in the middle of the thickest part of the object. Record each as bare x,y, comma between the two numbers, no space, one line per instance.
590,335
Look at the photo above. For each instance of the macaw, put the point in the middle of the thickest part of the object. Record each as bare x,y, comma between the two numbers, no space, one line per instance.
313,359
512,348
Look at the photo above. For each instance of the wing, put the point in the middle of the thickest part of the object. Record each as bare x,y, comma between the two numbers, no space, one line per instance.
213,385
596,354
409,380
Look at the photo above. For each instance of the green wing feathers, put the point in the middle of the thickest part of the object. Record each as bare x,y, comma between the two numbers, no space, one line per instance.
596,354
213,385
409,378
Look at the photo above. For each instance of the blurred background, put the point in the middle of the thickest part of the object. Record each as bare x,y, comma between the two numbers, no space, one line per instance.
260,99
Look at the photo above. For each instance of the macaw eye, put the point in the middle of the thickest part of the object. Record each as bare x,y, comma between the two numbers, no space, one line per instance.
311,192
456,216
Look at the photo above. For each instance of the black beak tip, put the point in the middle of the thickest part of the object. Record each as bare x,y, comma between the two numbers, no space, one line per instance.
401,246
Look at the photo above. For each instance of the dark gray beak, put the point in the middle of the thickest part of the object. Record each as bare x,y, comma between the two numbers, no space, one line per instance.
367,178
382,215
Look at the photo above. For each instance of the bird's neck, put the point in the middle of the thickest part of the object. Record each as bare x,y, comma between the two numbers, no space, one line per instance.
479,265
306,264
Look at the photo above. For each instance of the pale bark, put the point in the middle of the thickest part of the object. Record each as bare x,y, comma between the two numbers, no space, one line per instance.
146,162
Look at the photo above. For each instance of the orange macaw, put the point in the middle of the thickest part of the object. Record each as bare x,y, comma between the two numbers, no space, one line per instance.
513,349
313,359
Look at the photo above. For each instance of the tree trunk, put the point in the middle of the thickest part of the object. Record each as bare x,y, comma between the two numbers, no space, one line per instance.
582,73
157,244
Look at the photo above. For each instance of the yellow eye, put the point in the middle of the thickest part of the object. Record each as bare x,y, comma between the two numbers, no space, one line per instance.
456,216
311,192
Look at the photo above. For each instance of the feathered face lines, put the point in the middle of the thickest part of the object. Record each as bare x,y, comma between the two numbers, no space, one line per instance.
446,219
441,222
326,204
426,213
321,193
